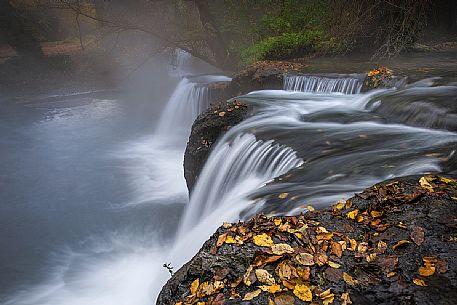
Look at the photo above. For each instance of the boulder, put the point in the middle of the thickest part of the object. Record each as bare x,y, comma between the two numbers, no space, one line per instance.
394,243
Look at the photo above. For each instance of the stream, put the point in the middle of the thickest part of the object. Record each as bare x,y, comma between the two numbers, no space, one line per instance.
95,200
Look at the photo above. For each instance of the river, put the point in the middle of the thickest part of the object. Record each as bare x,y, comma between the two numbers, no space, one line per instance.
94,198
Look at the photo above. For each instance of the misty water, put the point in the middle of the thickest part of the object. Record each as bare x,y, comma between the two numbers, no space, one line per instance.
95,199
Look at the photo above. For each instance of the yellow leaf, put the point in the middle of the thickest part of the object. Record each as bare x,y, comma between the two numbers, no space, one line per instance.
178,303
251,295
345,298
230,240
263,240
427,270
271,289
352,214
349,280
419,282
371,257
283,195
194,286
375,214
425,184
303,293
447,181
392,273
310,208
264,277
324,236
221,114
305,259
277,221
340,205
400,243
280,249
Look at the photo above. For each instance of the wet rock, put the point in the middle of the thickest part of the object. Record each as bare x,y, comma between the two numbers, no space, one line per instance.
207,128
394,243
382,78
263,75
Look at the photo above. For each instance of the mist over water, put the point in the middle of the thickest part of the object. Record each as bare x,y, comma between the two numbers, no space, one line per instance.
320,139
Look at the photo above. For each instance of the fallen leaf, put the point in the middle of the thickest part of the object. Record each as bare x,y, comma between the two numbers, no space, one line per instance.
442,266
400,243
327,297
345,298
221,114
371,257
284,299
264,277
283,195
194,286
334,275
427,270
271,289
305,259
333,265
419,282
321,257
376,214
263,240
418,235
230,240
349,279
249,276
425,184
286,271
303,293
362,247
280,249
251,295
352,214
337,248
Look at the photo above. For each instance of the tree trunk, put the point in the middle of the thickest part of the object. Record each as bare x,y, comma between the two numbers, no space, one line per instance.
216,43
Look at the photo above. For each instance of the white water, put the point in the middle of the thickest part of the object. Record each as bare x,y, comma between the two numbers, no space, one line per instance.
310,83
128,270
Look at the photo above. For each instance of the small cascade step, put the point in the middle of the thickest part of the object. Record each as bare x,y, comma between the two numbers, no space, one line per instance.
347,84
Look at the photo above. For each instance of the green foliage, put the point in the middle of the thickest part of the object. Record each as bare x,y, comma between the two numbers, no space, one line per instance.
285,46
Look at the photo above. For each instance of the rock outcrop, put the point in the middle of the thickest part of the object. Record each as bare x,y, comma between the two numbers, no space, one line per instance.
394,243
207,128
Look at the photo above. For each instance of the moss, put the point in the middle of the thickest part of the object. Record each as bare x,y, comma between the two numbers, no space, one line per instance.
285,46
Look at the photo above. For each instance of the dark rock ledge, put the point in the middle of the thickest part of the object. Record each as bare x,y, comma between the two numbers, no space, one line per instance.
394,243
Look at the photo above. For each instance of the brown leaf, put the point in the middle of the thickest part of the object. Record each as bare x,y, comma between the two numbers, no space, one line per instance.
305,259
286,271
280,249
251,295
337,248
442,266
320,257
249,277
346,300
221,239
262,260
264,277
221,273
284,299
418,235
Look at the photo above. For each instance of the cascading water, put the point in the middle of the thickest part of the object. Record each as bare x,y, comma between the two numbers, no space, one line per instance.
311,83
330,145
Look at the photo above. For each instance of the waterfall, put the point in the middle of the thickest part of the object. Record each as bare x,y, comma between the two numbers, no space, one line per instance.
234,169
321,84
189,99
